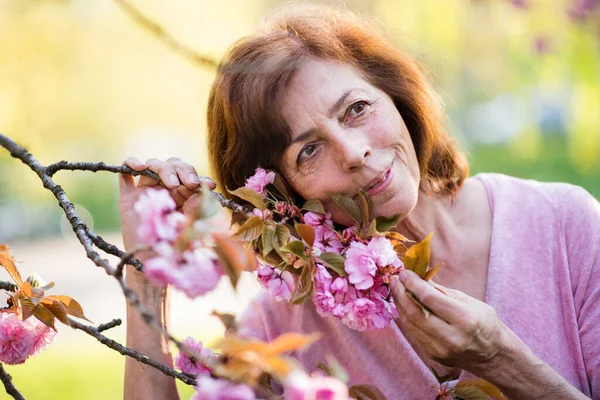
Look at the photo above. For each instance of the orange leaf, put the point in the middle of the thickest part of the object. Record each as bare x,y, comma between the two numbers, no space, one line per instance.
481,384
56,308
44,315
9,264
28,307
432,272
71,305
233,256
417,256
291,341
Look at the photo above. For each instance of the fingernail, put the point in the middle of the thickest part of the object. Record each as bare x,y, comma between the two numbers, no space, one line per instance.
403,275
173,180
193,178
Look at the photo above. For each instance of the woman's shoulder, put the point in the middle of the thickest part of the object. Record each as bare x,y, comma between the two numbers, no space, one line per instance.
564,198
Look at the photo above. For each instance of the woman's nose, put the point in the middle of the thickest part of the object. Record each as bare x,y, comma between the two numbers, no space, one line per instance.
354,151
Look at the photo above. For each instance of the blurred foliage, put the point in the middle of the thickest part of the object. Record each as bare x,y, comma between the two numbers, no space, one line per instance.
81,80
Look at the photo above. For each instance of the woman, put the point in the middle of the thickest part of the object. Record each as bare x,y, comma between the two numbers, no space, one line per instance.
322,98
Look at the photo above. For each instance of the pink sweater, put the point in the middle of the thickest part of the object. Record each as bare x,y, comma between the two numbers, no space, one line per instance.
543,281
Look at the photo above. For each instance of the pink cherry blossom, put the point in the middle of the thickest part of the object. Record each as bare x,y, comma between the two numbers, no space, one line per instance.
260,180
322,279
326,239
339,285
17,339
360,265
217,389
281,286
190,365
358,313
43,336
158,218
383,252
315,219
300,386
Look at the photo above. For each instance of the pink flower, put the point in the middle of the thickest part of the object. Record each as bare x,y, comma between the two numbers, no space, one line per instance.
43,336
358,313
17,339
281,286
322,279
189,365
326,239
217,389
383,252
360,265
260,180
339,285
315,219
158,218
299,386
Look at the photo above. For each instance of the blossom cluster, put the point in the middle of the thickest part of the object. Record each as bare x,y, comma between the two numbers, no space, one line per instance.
297,386
356,292
189,265
20,339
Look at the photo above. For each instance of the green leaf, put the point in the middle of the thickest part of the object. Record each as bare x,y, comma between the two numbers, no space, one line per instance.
335,261
282,236
209,206
295,247
307,233
267,239
366,392
417,257
251,196
250,230
384,224
304,284
314,205
348,205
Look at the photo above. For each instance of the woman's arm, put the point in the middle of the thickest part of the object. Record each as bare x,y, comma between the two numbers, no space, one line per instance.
465,332
142,381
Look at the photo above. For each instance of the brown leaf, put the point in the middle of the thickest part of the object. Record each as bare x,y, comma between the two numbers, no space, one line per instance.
366,392
432,272
469,393
250,230
484,386
282,187
28,307
372,231
56,308
228,321
233,256
348,205
44,315
417,257
314,205
365,204
251,196
282,236
307,233
72,306
9,264
335,261
304,284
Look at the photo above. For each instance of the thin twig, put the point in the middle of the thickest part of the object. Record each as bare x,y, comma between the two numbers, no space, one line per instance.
110,248
109,325
8,384
162,35
126,351
8,286
95,167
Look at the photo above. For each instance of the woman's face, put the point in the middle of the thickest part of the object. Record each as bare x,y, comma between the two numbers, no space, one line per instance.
347,134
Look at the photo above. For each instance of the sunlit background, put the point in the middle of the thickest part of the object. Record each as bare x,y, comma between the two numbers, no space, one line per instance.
83,81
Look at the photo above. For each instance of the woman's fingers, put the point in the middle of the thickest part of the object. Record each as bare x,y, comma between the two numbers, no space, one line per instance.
186,174
436,298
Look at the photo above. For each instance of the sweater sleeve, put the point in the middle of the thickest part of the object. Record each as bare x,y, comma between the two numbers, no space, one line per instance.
581,227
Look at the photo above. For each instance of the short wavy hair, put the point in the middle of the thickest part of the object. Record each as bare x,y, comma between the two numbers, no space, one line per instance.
245,127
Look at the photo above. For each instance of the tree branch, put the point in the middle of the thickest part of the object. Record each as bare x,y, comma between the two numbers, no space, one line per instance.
8,384
8,286
126,351
162,35
110,248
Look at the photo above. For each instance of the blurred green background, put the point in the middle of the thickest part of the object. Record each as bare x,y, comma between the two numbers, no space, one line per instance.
82,81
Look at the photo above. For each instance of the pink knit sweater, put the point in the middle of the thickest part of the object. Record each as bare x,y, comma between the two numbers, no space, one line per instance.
543,281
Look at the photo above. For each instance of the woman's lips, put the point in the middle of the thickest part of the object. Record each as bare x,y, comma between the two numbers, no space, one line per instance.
381,185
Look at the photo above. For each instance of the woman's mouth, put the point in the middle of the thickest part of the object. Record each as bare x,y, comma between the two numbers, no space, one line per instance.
380,184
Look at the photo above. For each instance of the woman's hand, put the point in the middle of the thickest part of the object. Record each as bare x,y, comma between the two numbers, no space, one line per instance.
179,177
460,331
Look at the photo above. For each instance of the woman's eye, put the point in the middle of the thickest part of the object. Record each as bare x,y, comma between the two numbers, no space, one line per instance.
357,108
306,152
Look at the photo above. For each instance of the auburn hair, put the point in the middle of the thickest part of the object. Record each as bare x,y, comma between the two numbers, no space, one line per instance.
245,127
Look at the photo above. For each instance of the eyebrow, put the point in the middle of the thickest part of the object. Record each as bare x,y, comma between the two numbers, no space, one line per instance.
306,134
